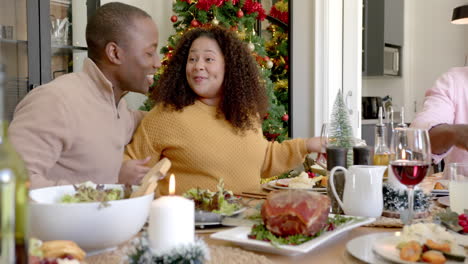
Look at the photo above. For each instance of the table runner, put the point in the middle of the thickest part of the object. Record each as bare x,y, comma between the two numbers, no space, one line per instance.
218,254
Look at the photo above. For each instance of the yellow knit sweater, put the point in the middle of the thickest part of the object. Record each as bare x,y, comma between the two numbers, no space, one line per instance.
204,148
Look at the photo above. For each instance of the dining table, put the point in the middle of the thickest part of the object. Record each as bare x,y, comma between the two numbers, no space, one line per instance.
333,250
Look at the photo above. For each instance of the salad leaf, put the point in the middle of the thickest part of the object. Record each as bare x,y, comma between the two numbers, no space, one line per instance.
448,219
220,202
87,193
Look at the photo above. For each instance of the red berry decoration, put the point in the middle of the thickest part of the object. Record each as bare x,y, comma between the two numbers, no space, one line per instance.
174,19
285,118
194,23
240,13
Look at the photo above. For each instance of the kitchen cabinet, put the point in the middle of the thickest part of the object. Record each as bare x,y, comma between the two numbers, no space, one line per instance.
383,27
40,41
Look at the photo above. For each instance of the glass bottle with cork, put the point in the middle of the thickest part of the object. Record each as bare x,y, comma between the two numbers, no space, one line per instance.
381,150
14,194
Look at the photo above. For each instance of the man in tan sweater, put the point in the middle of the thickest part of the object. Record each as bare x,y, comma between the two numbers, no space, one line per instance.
75,128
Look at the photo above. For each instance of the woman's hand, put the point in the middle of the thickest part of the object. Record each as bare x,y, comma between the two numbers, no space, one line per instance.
313,144
133,171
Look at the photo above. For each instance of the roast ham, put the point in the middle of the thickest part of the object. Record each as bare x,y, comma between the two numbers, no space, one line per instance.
292,212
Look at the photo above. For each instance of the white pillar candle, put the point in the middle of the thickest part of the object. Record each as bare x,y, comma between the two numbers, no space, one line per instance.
171,222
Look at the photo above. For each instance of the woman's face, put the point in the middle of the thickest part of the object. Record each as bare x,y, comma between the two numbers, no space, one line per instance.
205,70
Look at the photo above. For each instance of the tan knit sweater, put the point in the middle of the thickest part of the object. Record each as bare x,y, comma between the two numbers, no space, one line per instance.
70,130
204,148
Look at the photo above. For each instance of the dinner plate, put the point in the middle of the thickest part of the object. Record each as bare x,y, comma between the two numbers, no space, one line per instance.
239,235
445,200
386,247
205,218
441,191
361,247
272,184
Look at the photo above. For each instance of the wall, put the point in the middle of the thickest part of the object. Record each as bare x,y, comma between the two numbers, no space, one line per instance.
302,70
432,45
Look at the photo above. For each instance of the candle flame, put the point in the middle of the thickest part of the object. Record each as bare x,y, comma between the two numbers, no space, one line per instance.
172,185
403,154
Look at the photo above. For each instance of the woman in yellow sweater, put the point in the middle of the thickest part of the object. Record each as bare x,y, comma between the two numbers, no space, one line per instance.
207,119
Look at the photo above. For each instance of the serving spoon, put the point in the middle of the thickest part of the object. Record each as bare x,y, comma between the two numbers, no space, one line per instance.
150,181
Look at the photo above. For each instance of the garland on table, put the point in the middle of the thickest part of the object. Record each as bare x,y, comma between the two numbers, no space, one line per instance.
397,200
141,253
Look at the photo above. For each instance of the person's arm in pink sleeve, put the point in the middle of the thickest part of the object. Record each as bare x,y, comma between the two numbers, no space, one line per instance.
40,132
438,112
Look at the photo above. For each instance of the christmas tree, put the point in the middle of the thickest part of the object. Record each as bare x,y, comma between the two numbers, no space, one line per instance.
241,16
278,50
341,132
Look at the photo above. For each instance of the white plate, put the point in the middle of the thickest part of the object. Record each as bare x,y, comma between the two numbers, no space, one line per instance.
445,200
441,191
205,218
386,247
239,235
361,248
273,185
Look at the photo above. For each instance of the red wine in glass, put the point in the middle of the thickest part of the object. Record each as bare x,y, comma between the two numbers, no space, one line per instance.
410,173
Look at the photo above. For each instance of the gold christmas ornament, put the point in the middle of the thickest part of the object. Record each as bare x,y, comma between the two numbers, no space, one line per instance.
215,21
269,64
251,46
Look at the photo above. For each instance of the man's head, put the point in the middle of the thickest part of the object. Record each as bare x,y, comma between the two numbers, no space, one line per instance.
122,40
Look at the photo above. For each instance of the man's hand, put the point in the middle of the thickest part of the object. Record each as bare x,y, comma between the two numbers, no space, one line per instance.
133,171
461,136
444,136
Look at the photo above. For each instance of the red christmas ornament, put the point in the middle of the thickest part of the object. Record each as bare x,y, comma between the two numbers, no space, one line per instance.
240,13
174,19
194,23
266,58
285,118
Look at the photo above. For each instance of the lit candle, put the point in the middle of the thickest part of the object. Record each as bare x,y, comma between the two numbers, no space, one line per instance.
172,221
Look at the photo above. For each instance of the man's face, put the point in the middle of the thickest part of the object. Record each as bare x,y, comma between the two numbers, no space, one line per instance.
141,58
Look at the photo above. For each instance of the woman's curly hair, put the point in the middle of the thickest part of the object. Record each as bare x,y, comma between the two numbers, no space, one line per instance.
244,98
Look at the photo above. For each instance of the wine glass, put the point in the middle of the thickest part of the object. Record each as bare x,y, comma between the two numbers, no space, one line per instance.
322,156
410,160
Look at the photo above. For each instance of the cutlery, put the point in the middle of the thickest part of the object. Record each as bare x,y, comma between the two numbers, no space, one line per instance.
150,181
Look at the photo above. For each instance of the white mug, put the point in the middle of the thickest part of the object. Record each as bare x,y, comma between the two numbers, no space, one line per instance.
362,194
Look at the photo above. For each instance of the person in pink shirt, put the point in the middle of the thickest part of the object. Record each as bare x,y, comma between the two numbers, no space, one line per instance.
445,115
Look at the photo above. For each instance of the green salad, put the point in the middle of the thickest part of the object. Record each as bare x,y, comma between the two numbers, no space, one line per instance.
221,202
89,193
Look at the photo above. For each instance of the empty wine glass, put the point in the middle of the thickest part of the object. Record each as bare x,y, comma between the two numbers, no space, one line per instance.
322,156
410,161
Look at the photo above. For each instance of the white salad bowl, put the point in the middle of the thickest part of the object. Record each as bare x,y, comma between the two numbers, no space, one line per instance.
92,226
